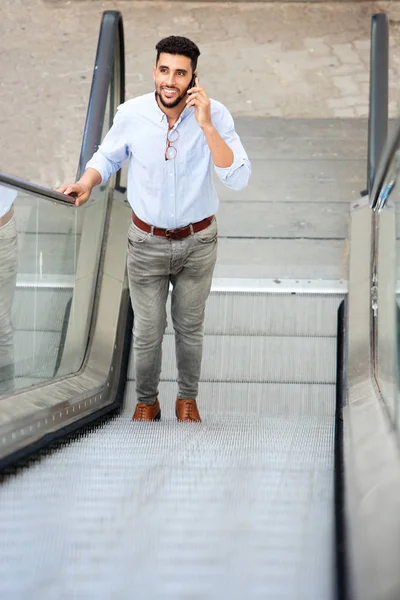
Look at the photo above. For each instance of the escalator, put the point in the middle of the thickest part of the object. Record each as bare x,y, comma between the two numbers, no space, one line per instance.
238,506
244,505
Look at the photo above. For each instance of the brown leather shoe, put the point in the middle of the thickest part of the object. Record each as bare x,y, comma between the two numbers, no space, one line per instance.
187,411
147,412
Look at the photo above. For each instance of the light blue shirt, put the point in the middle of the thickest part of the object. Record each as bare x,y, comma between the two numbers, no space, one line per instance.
7,197
169,193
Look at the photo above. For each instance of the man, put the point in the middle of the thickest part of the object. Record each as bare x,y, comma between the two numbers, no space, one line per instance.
8,278
171,138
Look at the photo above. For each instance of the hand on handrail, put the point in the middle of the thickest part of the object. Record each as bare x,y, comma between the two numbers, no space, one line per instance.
79,191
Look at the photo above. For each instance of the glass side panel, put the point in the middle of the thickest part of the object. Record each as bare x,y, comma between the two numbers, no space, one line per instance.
388,287
49,257
49,261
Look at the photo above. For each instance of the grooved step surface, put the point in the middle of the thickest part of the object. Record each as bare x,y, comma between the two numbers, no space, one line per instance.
269,314
230,508
238,506
251,358
230,400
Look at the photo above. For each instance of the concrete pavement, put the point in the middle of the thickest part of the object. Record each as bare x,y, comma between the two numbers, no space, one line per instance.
276,60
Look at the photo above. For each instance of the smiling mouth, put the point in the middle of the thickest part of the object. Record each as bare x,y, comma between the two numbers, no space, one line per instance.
169,92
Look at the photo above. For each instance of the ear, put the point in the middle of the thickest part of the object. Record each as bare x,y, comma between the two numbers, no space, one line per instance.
154,73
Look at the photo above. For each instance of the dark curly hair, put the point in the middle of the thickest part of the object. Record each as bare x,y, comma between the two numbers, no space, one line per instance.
175,44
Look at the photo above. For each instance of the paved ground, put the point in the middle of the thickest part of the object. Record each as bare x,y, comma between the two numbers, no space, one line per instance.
279,59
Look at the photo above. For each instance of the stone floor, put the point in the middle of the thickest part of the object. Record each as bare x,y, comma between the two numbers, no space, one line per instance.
260,59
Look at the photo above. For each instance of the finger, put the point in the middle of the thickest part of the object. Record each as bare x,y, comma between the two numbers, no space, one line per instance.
198,99
194,89
203,93
69,189
62,189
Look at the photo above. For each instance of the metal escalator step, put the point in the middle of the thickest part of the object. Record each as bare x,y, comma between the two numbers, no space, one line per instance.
231,508
250,358
228,400
237,506
269,314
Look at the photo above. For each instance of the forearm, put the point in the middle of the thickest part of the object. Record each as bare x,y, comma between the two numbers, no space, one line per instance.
221,154
90,178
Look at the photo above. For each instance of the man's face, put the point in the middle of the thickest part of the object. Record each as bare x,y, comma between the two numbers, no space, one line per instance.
172,76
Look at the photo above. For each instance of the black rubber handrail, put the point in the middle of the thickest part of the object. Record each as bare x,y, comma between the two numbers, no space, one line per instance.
378,95
111,33
38,190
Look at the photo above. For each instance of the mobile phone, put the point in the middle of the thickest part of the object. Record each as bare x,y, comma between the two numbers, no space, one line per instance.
192,82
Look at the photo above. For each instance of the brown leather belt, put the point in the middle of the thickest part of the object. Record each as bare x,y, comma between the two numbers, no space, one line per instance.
173,234
6,218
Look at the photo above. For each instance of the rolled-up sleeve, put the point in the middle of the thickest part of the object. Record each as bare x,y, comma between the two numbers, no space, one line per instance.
113,149
236,177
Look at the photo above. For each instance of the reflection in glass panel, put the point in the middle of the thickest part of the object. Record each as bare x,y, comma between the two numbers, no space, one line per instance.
8,277
49,257
39,242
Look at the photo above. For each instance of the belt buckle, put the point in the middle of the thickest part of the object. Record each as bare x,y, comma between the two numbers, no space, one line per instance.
168,233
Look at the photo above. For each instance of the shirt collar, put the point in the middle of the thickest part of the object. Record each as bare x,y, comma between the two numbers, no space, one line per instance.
184,114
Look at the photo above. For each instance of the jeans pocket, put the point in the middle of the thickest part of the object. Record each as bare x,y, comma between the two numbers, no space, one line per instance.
136,235
209,234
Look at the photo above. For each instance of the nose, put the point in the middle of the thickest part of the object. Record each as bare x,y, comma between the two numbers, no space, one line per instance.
171,80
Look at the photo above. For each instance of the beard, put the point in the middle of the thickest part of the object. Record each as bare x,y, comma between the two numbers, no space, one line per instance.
172,103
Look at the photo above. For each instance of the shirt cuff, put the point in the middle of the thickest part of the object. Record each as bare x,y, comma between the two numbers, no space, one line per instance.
95,163
226,172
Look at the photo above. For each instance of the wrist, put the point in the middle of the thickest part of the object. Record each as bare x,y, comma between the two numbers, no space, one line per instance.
208,128
85,185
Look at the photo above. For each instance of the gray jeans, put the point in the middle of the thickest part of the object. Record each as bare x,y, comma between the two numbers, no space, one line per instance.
8,277
154,262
